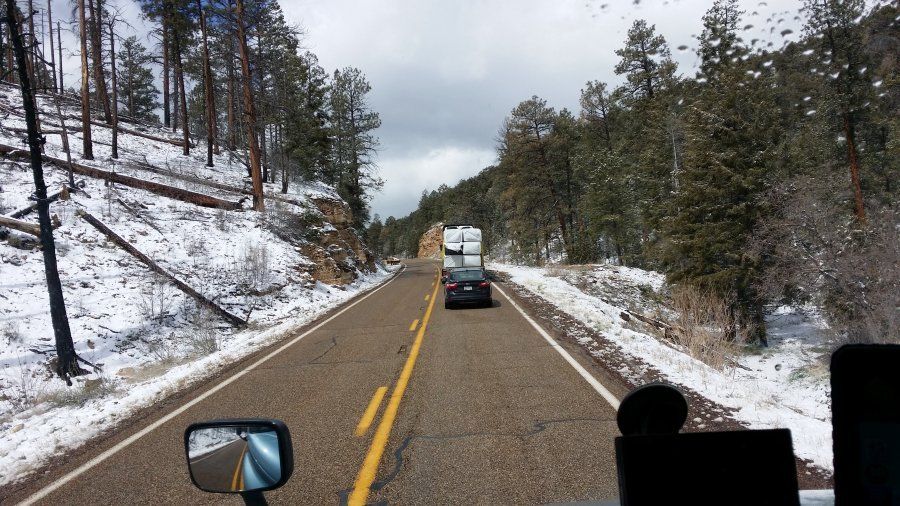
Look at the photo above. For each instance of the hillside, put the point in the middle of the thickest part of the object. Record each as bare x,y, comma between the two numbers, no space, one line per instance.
140,335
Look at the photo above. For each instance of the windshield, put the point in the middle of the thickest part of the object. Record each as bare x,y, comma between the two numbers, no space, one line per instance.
441,241
467,275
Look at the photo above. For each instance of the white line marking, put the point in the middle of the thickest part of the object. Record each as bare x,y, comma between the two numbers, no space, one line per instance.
606,394
44,492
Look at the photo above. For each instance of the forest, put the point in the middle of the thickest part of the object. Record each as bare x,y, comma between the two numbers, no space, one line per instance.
235,77
768,177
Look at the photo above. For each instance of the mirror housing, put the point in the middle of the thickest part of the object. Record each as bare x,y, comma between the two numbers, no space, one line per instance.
239,456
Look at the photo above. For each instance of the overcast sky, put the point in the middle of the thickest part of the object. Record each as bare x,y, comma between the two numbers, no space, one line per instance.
444,73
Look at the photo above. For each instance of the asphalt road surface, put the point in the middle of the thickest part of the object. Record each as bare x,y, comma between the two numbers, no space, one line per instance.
221,469
396,400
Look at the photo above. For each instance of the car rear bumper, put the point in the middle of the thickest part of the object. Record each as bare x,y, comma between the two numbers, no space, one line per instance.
463,296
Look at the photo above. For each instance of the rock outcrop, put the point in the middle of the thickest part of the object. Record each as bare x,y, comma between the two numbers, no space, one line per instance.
430,242
338,254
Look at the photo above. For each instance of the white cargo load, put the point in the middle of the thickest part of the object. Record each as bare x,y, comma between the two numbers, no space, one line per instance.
471,260
471,248
471,235
451,261
453,235
453,248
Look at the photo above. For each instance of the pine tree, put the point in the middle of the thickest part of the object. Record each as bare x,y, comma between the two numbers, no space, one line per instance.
353,140
731,132
138,94
645,61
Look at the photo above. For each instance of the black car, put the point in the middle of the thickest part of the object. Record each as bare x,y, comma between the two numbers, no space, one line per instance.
467,286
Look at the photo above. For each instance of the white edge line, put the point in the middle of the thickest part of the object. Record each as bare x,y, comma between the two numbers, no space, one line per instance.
606,394
44,492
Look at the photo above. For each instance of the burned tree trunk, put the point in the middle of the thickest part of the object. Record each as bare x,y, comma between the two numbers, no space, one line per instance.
52,52
67,360
115,94
182,98
62,89
87,145
97,53
232,134
249,111
167,119
207,90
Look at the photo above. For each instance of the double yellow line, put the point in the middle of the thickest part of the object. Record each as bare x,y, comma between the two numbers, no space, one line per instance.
367,473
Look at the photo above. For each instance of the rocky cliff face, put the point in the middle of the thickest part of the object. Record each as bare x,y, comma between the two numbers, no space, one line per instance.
336,252
430,242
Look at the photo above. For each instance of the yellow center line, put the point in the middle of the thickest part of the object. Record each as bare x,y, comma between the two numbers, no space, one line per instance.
237,472
370,412
366,475
414,324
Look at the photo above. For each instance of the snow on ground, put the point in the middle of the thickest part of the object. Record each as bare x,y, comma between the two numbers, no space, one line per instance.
784,385
148,337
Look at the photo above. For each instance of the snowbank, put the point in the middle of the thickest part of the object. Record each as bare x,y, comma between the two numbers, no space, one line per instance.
782,386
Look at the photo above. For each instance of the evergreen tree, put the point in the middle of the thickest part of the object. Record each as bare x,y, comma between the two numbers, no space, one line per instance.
645,61
137,93
353,141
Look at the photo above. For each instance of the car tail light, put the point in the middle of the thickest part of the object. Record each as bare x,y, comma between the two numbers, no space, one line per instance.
484,284
452,286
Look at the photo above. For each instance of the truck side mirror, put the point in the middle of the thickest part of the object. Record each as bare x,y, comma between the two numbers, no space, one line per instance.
239,456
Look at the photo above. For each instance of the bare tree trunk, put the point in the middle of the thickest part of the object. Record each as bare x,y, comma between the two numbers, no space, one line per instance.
859,209
130,98
32,47
249,111
175,94
52,50
3,60
179,75
65,139
167,119
87,145
208,91
9,56
284,172
232,134
97,59
66,358
115,94
59,48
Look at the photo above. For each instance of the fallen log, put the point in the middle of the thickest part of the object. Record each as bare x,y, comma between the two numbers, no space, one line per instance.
52,198
21,226
184,287
138,133
172,192
212,184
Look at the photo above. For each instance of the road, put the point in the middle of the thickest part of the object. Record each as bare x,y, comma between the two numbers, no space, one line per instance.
394,400
220,469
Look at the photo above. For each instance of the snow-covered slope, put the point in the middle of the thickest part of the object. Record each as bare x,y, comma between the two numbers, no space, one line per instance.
784,385
278,269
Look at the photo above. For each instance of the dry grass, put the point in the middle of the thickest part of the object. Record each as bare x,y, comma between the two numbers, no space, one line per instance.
704,326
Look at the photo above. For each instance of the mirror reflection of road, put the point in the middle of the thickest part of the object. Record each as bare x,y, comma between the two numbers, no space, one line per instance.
489,413
222,468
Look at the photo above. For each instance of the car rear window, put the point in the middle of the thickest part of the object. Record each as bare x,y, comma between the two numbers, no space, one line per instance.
467,275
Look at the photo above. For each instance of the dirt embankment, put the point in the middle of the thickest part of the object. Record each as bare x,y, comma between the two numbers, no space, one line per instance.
430,242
